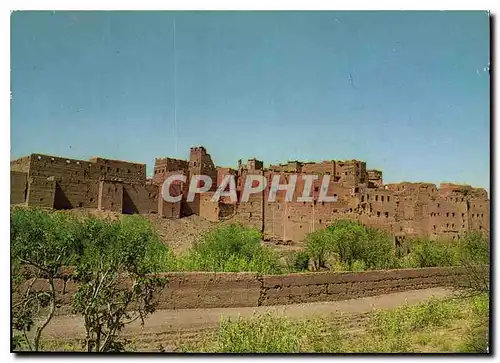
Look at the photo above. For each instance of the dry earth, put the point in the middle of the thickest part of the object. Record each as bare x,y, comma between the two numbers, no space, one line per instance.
165,329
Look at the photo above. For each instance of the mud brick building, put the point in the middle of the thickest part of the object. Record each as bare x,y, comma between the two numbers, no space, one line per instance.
402,209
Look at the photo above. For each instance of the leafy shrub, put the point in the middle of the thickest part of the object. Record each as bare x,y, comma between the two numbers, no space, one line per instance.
297,261
427,253
474,248
231,248
352,243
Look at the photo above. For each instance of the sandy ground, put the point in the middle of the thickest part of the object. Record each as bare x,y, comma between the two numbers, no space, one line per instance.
164,326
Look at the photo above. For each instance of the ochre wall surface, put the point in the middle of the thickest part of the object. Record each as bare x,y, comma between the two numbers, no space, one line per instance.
191,290
401,209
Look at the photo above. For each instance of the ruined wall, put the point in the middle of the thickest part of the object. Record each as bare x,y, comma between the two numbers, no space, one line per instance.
18,187
41,192
324,167
76,193
200,163
164,167
304,288
374,178
110,196
289,167
410,209
139,199
120,170
62,168
21,165
192,290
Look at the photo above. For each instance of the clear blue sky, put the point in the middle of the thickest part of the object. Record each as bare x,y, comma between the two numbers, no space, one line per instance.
405,91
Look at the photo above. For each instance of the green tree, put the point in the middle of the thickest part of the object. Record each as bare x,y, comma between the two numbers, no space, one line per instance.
318,245
41,244
349,240
115,285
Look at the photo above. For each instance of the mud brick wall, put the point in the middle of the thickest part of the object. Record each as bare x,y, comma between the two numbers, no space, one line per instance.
210,290
191,290
74,193
110,196
21,164
138,198
18,187
41,192
122,170
251,213
61,168
208,209
166,209
302,288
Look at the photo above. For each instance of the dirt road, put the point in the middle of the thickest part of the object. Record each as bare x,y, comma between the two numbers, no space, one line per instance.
191,324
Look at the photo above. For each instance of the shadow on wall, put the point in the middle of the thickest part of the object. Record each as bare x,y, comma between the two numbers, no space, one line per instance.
61,201
128,206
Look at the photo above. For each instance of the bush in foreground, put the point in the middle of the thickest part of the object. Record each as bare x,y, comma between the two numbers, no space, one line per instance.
231,248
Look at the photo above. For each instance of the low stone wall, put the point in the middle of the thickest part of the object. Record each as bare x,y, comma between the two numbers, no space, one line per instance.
190,290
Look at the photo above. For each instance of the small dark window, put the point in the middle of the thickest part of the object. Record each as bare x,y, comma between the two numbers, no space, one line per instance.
388,198
80,204
376,198
316,189
300,226
386,214
91,200
434,227
378,214
320,221
382,198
